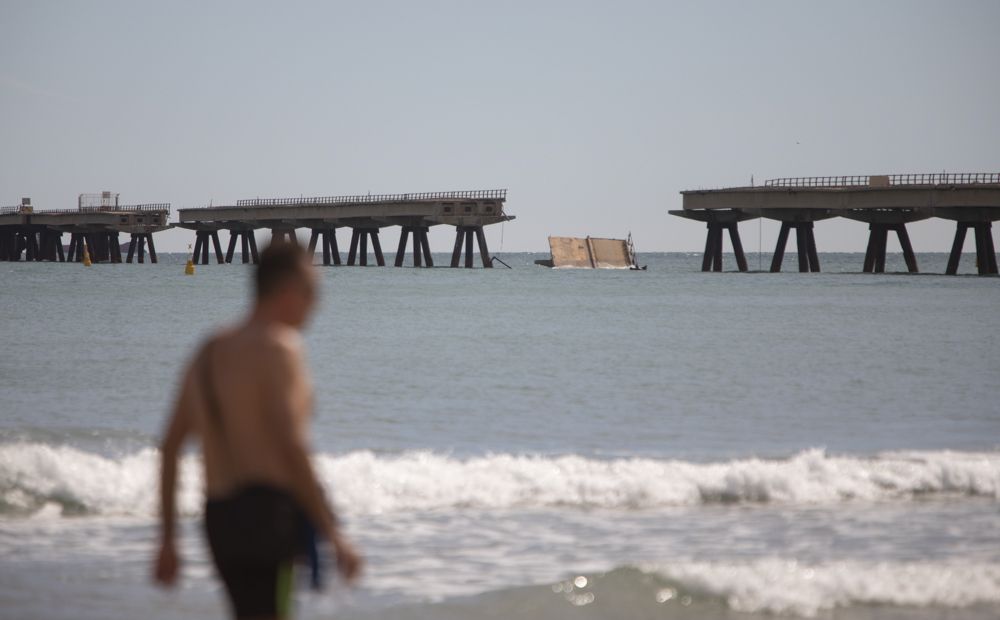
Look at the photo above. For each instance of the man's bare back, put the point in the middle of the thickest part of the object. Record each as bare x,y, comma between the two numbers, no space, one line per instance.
247,397
262,389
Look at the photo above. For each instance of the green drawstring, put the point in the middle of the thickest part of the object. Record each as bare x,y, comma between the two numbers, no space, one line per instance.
284,590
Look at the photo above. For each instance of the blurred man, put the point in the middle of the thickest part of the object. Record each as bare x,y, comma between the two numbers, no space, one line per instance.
246,396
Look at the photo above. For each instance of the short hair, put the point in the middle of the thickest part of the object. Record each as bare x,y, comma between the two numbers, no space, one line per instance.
279,262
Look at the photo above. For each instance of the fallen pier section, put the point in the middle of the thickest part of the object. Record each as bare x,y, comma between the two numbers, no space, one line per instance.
590,253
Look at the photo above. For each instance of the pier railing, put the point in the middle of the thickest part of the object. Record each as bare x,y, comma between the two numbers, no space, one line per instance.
939,178
481,194
161,206
10,210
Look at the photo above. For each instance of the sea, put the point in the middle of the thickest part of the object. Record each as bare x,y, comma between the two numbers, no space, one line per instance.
535,443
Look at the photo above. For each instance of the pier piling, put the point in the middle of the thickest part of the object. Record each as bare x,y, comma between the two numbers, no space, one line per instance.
716,223
805,246
218,247
401,248
712,260
196,254
421,246
876,251
331,252
464,237
203,239
484,252
358,254
468,248
986,256
248,246
313,239
231,248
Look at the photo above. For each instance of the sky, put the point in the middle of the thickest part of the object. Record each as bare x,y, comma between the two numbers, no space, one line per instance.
594,115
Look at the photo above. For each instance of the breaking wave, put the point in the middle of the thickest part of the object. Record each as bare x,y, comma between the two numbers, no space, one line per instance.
37,475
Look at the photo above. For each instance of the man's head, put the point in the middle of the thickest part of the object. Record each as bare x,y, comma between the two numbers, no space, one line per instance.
286,284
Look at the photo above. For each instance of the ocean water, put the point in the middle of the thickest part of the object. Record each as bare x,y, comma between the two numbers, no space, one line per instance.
536,443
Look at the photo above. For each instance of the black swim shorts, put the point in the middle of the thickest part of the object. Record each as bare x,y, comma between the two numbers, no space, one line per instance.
255,535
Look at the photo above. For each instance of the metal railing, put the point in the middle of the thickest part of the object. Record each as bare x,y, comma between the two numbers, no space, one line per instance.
845,181
160,206
946,178
151,208
480,194
937,178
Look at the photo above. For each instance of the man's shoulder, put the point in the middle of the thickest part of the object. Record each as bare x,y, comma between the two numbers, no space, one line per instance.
252,345
266,343
281,337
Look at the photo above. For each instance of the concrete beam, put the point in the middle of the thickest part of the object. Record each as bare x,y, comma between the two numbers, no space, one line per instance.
721,216
887,216
347,222
970,214
458,210
844,198
798,216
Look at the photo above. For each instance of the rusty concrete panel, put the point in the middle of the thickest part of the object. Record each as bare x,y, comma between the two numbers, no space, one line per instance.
610,253
570,252
589,253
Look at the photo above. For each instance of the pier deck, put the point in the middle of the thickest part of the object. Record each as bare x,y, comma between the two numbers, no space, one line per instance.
886,202
37,235
468,211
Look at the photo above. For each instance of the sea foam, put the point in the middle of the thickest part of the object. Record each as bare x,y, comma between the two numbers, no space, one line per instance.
35,474
781,586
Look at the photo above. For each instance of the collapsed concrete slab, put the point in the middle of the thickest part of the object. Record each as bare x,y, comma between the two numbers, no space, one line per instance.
591,253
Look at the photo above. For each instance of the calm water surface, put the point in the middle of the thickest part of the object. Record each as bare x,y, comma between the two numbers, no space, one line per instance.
536,442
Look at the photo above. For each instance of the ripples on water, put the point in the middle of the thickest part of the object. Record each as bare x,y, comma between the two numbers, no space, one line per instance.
747,443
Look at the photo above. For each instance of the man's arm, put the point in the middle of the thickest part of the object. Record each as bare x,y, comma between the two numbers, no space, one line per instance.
294,453
178,428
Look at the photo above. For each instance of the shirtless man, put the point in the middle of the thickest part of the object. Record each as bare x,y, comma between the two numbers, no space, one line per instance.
246,396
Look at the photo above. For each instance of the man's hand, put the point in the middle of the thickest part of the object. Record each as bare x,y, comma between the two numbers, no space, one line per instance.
348,561
167,563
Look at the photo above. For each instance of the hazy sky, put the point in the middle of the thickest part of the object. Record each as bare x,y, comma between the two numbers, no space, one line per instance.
593,115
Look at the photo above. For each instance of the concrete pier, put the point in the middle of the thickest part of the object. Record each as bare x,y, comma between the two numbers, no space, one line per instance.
27,234
469,212
886,202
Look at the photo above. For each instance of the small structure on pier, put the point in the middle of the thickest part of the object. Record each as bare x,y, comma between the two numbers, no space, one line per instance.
469,212
591,253
887,203
96,224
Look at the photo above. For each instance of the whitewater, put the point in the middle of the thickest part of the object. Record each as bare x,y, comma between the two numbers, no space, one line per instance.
395,499
535,443
39,476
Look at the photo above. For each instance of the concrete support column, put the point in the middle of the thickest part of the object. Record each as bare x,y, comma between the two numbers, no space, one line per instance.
986,256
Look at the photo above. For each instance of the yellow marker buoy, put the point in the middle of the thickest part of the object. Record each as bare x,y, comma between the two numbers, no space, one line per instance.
189,268
86,256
